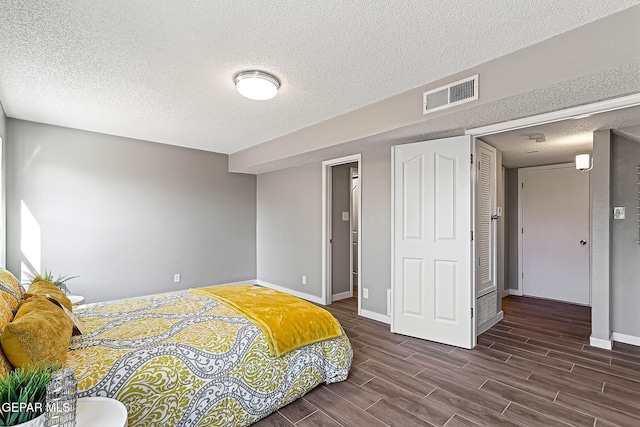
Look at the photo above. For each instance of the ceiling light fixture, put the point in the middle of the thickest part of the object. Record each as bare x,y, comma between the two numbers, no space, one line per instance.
256,85
584,162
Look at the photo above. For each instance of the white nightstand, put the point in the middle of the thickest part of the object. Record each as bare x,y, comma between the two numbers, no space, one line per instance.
100,412
76,299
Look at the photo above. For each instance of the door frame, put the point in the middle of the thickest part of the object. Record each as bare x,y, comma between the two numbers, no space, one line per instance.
326,226
521,172
600,307
494,203
353,173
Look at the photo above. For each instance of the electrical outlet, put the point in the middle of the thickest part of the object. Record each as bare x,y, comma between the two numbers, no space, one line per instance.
176,278
365,293
304,280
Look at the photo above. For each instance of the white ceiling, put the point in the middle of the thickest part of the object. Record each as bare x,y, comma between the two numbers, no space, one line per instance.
563,139
162,71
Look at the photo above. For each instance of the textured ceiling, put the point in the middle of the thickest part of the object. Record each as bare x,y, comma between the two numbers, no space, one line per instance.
563,140
162,71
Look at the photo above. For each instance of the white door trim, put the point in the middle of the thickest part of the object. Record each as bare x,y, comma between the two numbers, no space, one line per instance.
352,172
326,225
556,116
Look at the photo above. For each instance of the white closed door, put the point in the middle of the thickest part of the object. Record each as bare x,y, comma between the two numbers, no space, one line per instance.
432,289
555,233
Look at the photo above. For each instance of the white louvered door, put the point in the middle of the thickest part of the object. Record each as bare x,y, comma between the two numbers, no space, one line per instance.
485,226
432,290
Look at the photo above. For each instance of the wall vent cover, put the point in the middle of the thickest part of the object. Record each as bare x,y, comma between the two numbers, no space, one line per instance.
452,94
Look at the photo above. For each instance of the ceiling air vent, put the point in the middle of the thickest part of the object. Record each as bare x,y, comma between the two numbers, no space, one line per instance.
447,96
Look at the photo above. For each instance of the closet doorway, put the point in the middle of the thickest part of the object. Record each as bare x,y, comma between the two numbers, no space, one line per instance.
341,179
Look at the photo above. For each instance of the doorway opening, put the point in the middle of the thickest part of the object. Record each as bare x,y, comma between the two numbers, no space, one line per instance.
341,230
555,139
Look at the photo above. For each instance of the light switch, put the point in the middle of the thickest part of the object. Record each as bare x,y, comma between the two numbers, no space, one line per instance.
618,212
345,216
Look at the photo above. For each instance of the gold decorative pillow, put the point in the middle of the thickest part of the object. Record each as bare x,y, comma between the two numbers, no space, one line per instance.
45,288
6,316
40,332
10,289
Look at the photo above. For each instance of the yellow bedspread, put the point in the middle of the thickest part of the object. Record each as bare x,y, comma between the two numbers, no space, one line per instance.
184,359
287,321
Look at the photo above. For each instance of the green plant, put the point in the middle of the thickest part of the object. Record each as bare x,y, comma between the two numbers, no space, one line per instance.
60,281
23,394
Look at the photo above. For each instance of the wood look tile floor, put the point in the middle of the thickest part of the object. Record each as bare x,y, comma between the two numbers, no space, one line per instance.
534,368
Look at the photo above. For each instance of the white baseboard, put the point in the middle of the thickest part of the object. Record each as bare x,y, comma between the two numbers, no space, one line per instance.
375,316
342,295
312,298
516,292
627,339
242,282
600,343
308,297
484,328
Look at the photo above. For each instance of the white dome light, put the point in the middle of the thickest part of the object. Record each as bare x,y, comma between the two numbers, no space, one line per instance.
257,85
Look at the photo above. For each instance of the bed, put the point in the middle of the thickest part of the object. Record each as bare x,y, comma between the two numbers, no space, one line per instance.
191,358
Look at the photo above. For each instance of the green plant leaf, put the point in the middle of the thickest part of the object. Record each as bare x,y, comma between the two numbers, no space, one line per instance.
27,386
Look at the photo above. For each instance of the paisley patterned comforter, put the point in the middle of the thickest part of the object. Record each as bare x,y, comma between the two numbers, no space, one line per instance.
183,359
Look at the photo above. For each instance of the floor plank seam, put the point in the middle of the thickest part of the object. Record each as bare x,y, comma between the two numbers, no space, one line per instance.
303,418
447,422
506,407
367,408
428,394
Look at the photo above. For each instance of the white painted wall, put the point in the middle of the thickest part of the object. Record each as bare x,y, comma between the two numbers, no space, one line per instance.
125,215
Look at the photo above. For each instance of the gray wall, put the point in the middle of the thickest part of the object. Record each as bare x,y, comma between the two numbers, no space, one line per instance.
511,227
600,183
125,215
340,230
289,228
3,223
625,251
375,234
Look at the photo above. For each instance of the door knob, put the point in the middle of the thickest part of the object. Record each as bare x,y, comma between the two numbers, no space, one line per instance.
583,242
